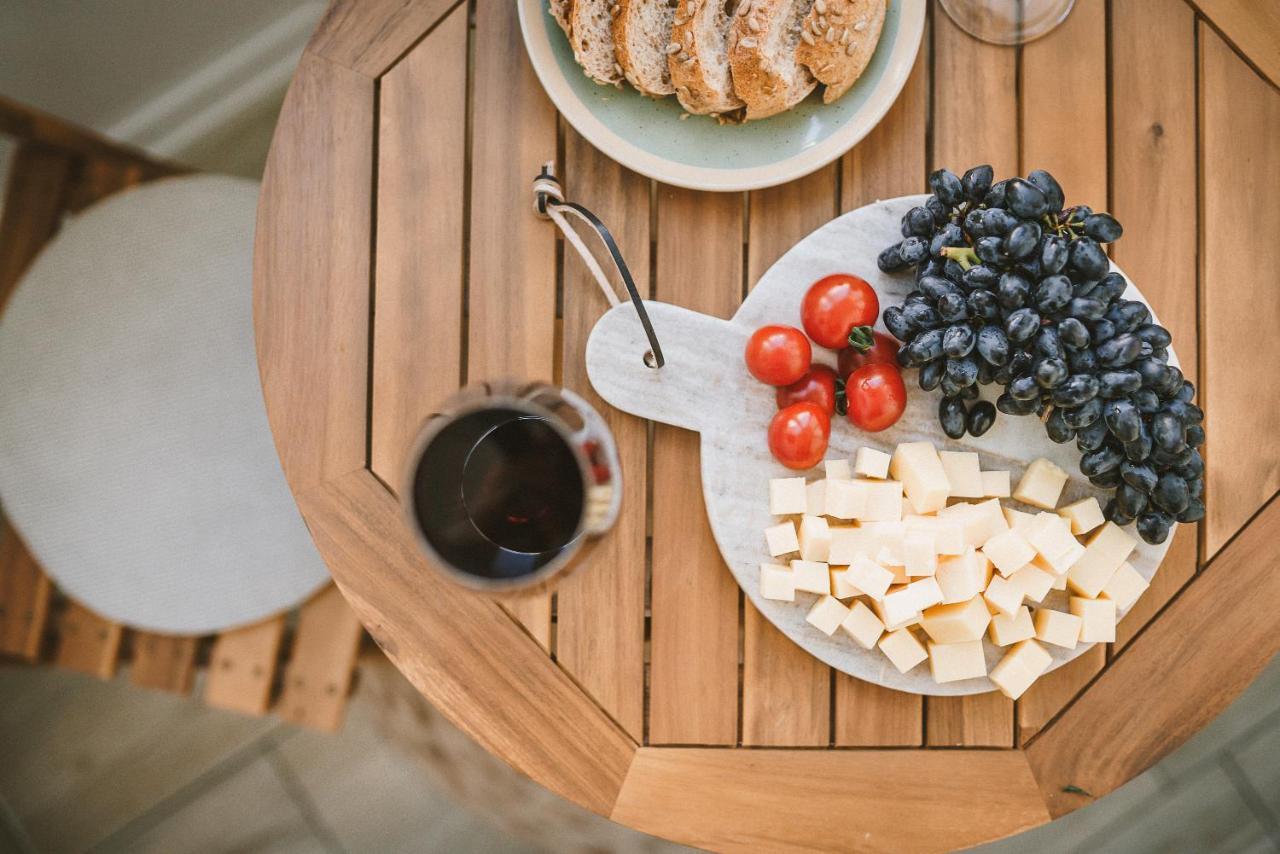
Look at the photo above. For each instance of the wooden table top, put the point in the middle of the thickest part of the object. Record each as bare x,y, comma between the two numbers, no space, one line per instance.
398,257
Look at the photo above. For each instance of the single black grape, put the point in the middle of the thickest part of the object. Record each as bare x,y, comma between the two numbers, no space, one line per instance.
1128,315
1072,333
1154,527
1122,420
1119,383
1193,512
981,416
1082,361
990,250
1076,391
1171,493
1119,351
962,372
1195,435
1089,437
1113,513
935,287
935,206
975,223
890,259
1010,406
913,250
898,325
1086,414
993,345
983,304
1013,291
995,197
931,374
1187,392
1102,227
920,316
999,221
952,417
1050,372
1048,185
1195,487
1167,431
981,276
1104,459
1152,372
1058,429
1140,448
976,182
1139,476
1170,384
1130,499
1048,344
1106,480
1053,254
1147,401
946,186
1086,308
1053,294
1156,336
1021,325
1019,362
1193,468
958,341
1088,259
918,222
1024,388
1025,200
953,307
1102,330
1022,241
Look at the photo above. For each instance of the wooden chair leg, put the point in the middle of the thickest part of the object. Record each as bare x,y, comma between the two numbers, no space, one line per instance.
242,667
163,662
87,643
318,676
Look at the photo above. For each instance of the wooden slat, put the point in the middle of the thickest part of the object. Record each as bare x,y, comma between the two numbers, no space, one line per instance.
889,162
242,667
163,662
24,598
32,210
1153,177
693,673
786,693
975,120
30,125
311,269
1064,76
848,800
417,323
1252,26
98,178
1173,679
1239,127
513,256
459,649
87,643
600,607
317,678
369,35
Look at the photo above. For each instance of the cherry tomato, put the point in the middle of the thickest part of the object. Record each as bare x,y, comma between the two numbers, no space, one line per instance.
883,352
778,355
876,397
833,306
798,435
818,385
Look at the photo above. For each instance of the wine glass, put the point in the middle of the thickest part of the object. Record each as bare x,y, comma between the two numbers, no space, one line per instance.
1007,22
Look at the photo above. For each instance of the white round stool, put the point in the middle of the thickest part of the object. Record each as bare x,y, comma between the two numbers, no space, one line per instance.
135,456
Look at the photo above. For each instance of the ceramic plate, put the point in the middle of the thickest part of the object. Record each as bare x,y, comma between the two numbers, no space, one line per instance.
650,136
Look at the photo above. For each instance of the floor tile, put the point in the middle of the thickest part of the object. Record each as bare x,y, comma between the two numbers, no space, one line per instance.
107,748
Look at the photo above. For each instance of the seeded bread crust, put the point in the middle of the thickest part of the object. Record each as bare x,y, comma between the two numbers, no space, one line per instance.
560,10
700,69
762,54
591,36
837,41
641,32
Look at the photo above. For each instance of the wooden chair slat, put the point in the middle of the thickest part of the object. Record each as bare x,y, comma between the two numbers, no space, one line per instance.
369,35
163,662
968,72
317,678
693,672
242,667
786,692
32,211
600,609
24,598
418,293
512,287
87,643
1239,125
890,162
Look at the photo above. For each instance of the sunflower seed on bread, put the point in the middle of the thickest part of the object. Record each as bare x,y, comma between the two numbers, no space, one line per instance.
839,53
642,41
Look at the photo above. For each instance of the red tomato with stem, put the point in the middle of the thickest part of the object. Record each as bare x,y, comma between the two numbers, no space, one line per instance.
778,355
876,397
883,351
834,305
818,385
798,435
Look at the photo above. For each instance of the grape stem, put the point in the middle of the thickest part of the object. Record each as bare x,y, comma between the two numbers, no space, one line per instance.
962,255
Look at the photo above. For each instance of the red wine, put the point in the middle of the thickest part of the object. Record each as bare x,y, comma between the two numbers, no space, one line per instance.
499,493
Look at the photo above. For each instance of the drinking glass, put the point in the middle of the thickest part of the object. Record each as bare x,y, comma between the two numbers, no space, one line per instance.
1007,22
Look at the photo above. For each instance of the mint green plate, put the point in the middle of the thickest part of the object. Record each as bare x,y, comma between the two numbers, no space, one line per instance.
650,136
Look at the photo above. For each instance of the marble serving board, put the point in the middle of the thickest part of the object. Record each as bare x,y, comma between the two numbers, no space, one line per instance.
704,386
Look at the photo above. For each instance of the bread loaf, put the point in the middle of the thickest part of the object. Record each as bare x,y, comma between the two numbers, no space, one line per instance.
837,41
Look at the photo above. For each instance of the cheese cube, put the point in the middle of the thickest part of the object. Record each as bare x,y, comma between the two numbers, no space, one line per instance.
848,543
962,577
1034,582
1018,521
812,576
924,482
869,577
952,662
841,588
926,591
947,533
815,538
902,616
1002,595
781,539
777,582
827,614
883,500
963,473
1059,582
1006,630
995,484
890,554
845,499
902,649
956,623
1020,667
980,521
815,498
869,462
1097,619
1084,515
787,496
1125,587
1056,549
837,469
1041,485
1057,628
1058,566
1109,547
919,556
1009,551
862,625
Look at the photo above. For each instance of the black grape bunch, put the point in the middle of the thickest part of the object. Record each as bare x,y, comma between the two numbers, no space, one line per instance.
1013,287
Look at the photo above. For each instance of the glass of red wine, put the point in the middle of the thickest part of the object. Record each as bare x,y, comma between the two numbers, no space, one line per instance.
509,485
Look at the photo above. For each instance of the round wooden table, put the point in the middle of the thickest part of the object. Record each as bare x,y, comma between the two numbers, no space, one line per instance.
398,257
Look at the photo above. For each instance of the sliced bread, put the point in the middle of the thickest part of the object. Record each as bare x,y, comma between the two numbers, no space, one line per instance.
560,10
762,55
837,41
700,69
591,34
641,35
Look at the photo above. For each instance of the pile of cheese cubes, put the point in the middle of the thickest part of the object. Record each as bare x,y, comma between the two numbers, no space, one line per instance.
917,547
